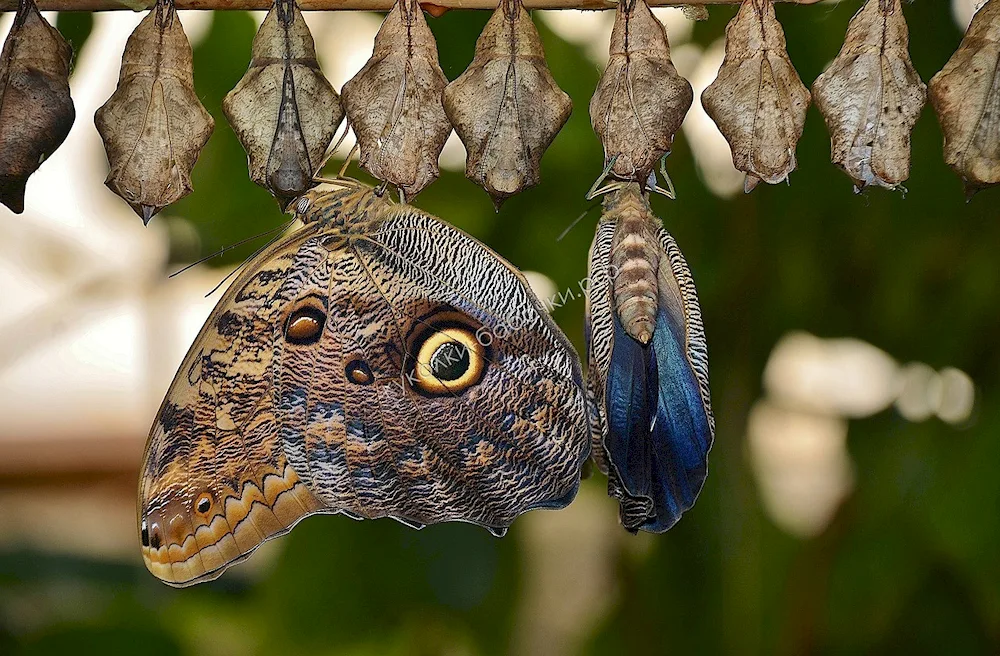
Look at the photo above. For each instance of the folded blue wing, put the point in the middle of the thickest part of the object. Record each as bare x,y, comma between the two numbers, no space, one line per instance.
659,429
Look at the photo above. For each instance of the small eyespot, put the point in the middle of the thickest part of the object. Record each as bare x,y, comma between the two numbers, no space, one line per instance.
359,372
144,534
305,325
154,536
448,361
203,504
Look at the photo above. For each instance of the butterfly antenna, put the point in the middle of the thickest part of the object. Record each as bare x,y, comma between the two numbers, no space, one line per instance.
244,262
231,247
576,220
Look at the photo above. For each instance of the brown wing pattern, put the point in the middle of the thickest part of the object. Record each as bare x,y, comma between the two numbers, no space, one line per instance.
378,363
215,483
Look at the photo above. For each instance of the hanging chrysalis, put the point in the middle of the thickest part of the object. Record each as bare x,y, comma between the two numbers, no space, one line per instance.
36,111
284,111
641,100
394,103
505,106
153,125
966,98
651,416
758,100
871,96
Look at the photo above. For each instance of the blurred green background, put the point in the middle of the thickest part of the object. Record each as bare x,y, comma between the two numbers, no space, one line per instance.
908,563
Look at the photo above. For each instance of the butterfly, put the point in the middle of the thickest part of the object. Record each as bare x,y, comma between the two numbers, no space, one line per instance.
647,379
376,362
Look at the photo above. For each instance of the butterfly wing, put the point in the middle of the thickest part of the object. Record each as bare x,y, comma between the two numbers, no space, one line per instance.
332,378
214,482
502,433
651,410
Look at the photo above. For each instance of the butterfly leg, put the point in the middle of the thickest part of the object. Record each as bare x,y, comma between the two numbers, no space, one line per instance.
669,192
596,189
331,151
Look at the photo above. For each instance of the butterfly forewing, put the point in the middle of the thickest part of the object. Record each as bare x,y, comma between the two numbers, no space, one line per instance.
214,480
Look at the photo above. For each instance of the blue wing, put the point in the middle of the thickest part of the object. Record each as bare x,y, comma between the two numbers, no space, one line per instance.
659,418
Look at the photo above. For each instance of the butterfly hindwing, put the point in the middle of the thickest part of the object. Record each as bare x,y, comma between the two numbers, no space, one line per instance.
485,453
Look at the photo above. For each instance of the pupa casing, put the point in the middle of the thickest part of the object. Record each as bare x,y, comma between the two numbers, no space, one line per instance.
758,100
966,98
394,103
153,125
284,111
871,97
506,107
36,111
641,100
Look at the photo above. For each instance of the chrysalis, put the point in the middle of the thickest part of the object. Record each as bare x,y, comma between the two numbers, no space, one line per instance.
153,125
394,103
871,96
36,111
966,98
758,100
284,111
651,416
640,101
505,106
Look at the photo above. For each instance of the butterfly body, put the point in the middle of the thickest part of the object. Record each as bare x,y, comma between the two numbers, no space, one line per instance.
375,363
650,412
634,259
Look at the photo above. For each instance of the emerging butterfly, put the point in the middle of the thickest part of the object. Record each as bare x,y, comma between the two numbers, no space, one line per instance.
375,363
650,411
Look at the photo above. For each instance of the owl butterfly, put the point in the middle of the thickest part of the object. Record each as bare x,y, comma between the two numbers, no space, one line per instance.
650,413
375,363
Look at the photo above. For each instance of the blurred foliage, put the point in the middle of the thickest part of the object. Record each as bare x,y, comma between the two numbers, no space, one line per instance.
909,563
75,27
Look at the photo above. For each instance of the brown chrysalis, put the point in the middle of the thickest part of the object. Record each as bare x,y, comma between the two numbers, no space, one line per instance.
36,111
641,100
153,125
966,98
394,103
758,100
871,96
284,111
506,107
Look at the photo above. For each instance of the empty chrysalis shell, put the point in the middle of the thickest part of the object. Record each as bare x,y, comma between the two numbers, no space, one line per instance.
153,125
284,111
394,103
36,111
966,97
758,100
505,106
641,100
871,96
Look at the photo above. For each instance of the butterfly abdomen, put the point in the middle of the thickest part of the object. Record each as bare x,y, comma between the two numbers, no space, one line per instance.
634,261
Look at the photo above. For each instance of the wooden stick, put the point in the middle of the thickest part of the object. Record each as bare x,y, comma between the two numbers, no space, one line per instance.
367,5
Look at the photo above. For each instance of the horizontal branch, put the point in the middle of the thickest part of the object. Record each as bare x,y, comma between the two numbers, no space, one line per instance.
369,5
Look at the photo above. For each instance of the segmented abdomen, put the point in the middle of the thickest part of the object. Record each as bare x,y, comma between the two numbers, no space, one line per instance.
634,260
